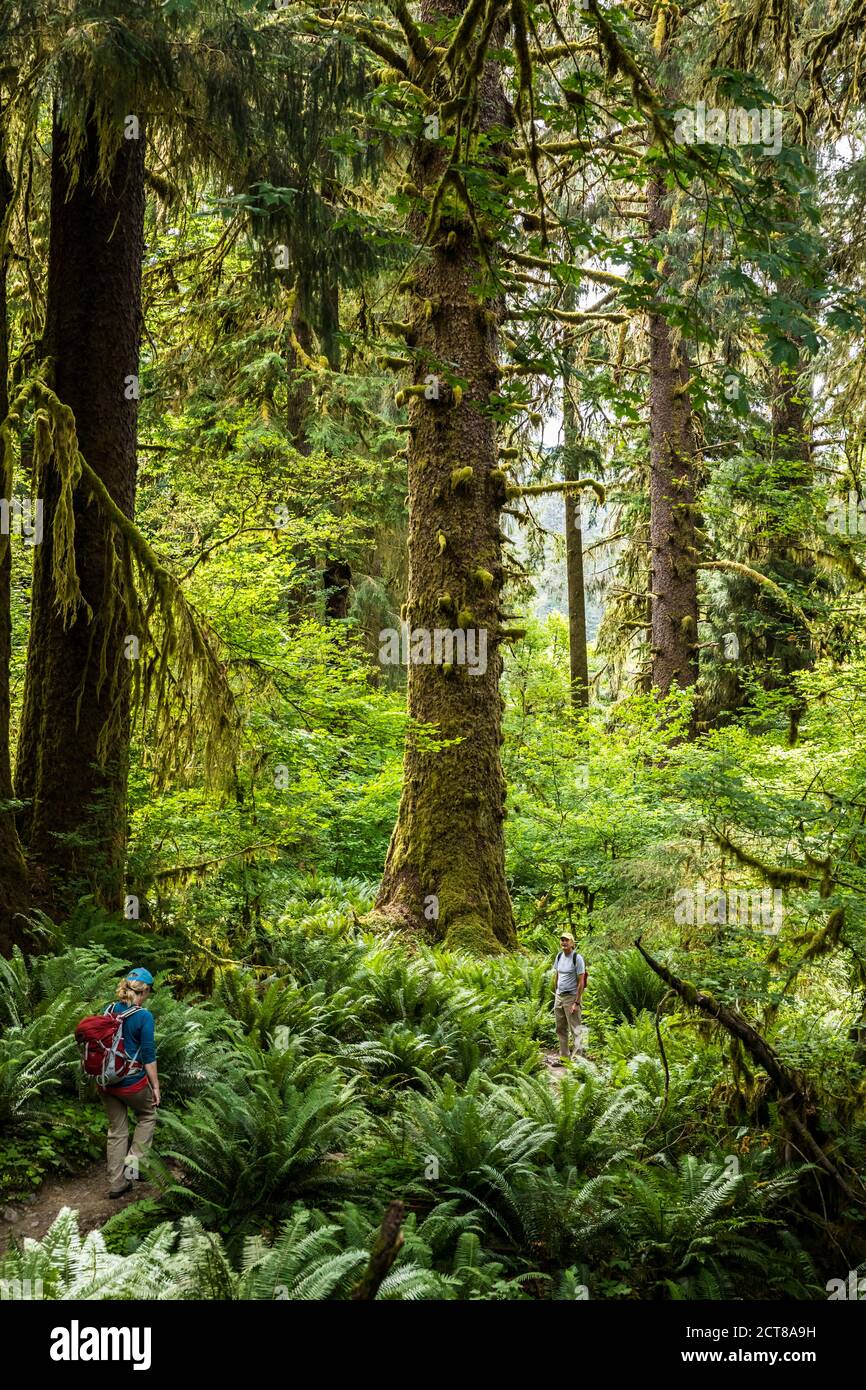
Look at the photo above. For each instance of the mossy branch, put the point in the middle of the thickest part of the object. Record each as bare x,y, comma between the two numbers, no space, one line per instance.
777,875
574,316
763,580
418,45
543,489
367,38
794,1104
601,277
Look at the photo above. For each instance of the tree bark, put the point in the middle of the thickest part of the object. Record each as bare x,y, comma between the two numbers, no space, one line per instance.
445,871
674,590
300,388
337,580
386,1248
14,894
76,824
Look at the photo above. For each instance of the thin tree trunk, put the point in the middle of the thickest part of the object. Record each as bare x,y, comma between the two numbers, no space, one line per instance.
337,580
789,651
13,873
578,659
337,574
445,870
76,828
674,592
300,388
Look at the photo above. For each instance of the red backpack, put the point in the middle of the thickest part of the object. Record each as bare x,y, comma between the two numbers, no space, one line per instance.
103,1055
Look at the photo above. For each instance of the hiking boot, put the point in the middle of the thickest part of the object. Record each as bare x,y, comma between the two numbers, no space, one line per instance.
121,1191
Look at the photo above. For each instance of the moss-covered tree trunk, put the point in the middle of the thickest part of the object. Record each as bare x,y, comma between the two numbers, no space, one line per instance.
76,826
673,584
13,874
445,870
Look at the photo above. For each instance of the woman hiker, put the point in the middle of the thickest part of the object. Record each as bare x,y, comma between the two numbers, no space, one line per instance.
569,978
138,1091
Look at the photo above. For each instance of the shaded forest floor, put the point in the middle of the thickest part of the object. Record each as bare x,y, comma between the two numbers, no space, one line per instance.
86,1193
301,1105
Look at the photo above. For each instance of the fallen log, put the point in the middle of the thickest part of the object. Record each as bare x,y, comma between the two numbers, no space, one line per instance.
794,1105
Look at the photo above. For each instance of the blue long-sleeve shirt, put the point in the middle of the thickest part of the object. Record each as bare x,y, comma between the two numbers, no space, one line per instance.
139,1042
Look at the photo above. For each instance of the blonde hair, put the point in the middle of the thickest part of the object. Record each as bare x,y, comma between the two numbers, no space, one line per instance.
132,991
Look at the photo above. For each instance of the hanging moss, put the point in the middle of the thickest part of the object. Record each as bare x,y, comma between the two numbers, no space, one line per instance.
179,687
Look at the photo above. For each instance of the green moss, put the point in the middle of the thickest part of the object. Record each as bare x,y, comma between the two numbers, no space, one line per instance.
472,935
461,478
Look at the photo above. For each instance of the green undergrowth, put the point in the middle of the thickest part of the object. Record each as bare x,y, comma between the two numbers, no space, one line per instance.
337,1072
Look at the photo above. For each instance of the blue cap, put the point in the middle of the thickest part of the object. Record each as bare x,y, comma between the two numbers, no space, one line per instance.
143,977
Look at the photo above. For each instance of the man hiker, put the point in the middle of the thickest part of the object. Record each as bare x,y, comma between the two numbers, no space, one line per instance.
136,1092
569,979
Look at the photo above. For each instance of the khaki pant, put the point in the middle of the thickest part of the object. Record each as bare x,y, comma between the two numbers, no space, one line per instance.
142,1106
567,1022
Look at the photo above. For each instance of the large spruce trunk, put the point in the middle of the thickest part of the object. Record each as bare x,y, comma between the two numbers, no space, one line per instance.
445,870
13,874
673,584
76,823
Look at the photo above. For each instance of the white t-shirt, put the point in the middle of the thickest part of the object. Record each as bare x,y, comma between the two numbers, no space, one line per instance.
568,970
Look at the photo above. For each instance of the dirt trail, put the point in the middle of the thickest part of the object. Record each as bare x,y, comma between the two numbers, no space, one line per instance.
555,1074
86,1193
